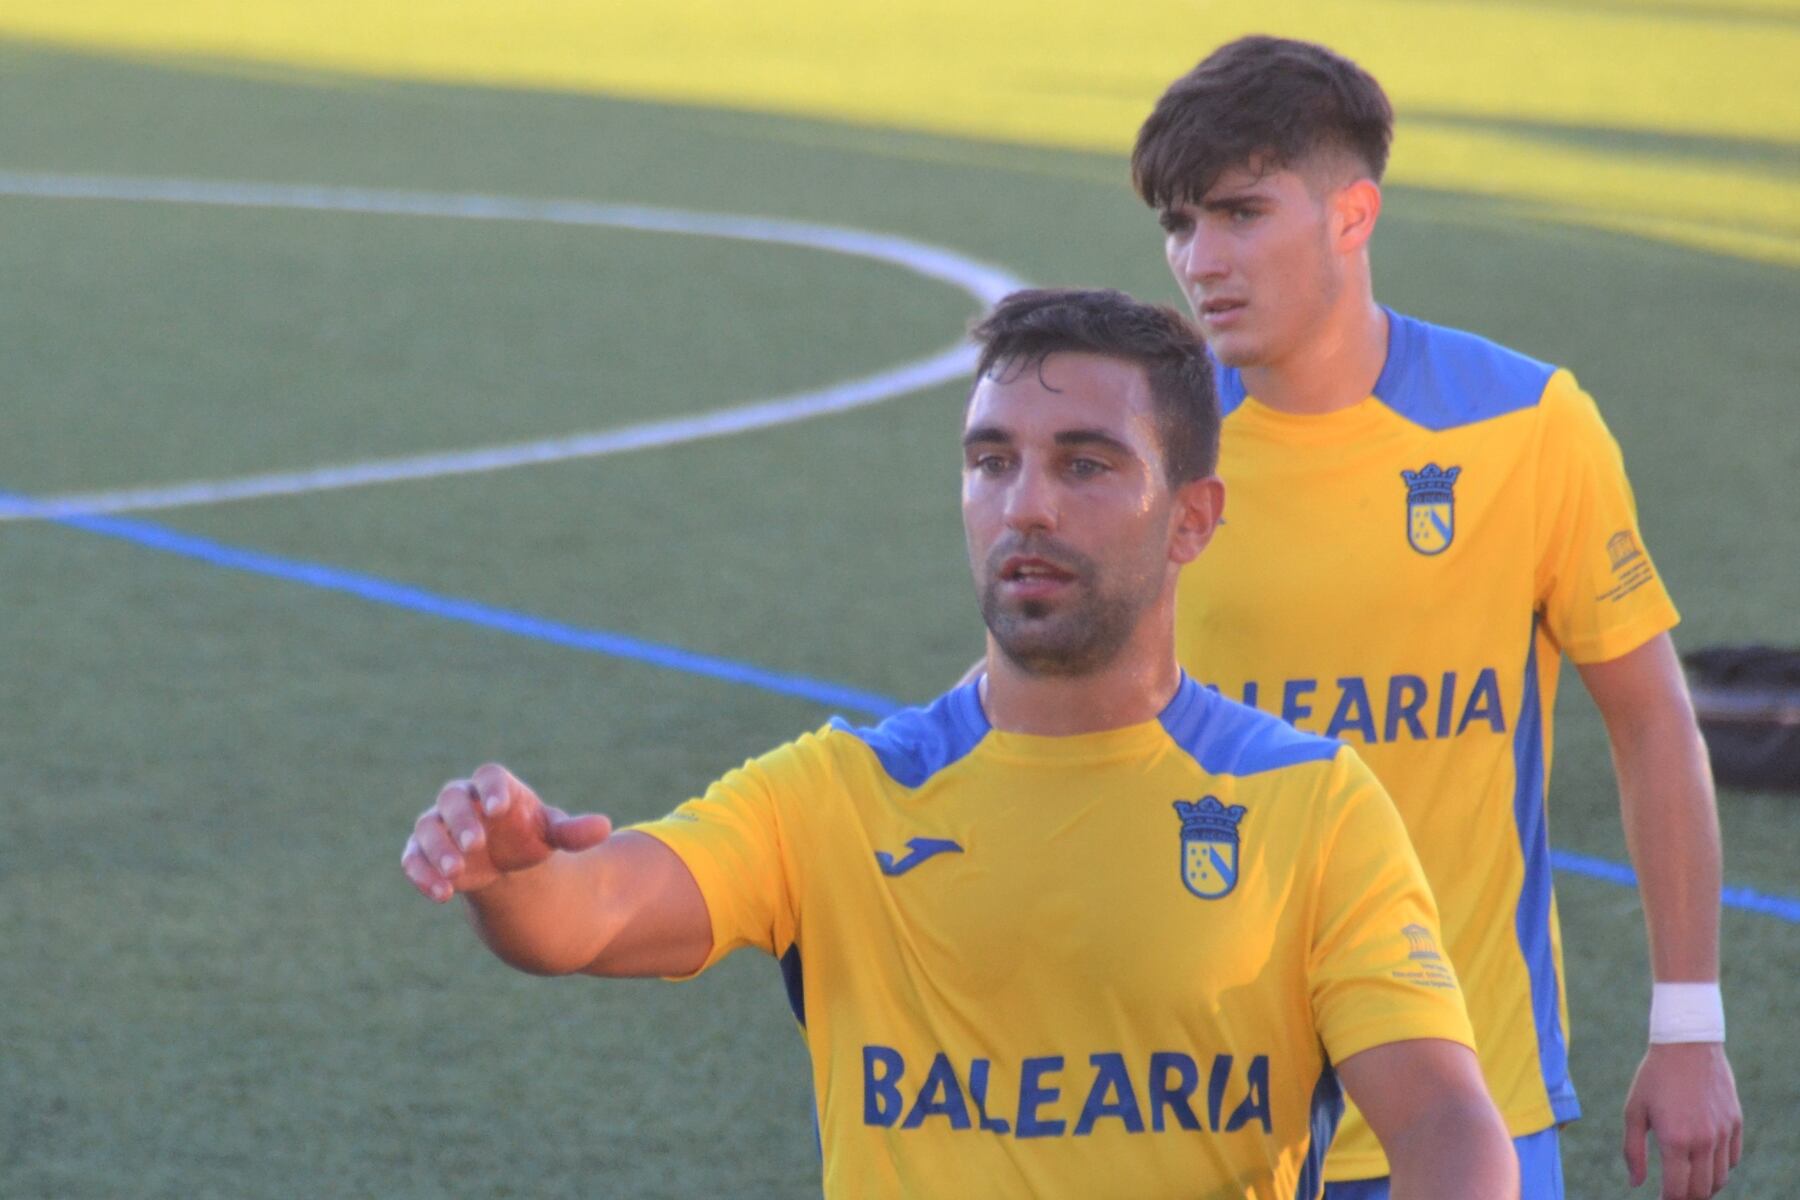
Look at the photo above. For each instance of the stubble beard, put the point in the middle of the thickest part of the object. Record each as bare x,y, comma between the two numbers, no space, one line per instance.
1077,636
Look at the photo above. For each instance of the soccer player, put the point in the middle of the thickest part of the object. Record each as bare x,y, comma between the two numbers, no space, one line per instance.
1423,524
1084,928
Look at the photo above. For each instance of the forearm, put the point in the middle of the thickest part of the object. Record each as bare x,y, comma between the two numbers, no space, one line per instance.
1453,1152
627,907
1672,834
547,920
1666,804
553,894
1429,1107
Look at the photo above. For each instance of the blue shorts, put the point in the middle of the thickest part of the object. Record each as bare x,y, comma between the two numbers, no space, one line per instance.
1540,1173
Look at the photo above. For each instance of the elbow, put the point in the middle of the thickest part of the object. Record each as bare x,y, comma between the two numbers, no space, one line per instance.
1461,1150
1493,1149
542,968
532,948
543,961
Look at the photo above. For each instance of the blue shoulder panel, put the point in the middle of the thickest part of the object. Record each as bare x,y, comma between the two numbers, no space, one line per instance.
1228,738
916,743
1444,378
1229,384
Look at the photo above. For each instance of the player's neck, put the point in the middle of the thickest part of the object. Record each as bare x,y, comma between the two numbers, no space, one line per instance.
1332,370
1135,687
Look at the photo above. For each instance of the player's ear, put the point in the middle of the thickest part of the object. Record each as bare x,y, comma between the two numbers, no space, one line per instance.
1355,208
1199,507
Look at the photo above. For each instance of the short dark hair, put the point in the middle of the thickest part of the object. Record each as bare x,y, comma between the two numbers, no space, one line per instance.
1260,101
1029,326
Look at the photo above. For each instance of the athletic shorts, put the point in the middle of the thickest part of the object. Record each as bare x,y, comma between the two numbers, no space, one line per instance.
1540,1173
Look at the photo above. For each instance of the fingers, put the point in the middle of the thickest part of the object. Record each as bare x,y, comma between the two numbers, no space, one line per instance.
486,826
1636,1126
446,852
1674,1172
577,833
435,843
1695,1166
494,787
1678,1182
457,806
1685,1098
430,882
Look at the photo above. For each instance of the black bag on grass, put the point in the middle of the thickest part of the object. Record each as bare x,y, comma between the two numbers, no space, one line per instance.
1748,702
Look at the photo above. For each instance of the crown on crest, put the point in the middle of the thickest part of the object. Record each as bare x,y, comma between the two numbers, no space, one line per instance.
1207,818
1431,483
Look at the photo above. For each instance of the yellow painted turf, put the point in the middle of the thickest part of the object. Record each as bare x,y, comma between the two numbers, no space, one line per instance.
1671,119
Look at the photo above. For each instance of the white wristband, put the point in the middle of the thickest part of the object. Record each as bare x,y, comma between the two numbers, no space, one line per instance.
1686,1012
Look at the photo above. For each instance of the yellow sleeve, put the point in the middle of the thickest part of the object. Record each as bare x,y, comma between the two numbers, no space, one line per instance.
735,841
1377,966
1598,591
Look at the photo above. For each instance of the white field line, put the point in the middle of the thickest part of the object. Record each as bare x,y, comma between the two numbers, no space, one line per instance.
983,282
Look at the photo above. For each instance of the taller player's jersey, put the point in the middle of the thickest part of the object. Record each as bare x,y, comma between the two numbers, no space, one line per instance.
1404,575
1118,964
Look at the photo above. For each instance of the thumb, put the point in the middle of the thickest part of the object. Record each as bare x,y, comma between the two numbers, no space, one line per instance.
582,832
1637,1124
516,822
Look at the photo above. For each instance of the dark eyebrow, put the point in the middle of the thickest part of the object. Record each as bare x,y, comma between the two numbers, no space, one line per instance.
988,435
1094,437
1232,200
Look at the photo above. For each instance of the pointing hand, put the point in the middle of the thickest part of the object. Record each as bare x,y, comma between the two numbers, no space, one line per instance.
487,826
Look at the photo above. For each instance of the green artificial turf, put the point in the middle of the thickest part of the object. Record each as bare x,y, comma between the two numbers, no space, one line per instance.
217,982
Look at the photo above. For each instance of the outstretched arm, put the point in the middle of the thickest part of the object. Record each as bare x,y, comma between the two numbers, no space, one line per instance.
1426,1102
1684,1092
553,894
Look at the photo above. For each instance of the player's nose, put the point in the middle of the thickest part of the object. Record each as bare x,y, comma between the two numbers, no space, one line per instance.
1030,502
1199,258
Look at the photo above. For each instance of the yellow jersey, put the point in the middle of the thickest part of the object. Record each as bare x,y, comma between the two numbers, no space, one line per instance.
1116,964
1405,575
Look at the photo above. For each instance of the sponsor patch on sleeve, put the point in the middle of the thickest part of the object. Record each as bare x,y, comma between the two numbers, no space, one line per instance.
1424,967
1631,567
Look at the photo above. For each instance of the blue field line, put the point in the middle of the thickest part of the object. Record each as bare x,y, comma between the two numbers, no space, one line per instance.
618,645
413,599
1748,899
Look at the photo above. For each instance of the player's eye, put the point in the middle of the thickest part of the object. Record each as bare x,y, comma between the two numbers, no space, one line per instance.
988,464
1086,468
1175,222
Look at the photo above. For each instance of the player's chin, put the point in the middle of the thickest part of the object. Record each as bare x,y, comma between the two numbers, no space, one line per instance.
1233,348
1044,643
1033,656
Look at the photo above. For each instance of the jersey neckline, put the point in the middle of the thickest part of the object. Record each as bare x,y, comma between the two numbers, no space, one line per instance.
1126,741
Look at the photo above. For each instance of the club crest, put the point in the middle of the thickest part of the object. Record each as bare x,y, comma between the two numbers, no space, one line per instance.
1431,507
1209,846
